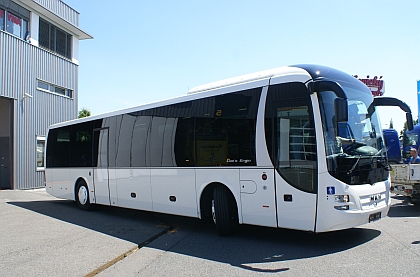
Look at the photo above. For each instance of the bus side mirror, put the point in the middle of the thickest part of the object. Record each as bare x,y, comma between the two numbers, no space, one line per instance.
341,110
409,117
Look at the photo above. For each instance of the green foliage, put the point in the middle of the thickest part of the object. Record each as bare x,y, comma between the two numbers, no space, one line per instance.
84,112
415,122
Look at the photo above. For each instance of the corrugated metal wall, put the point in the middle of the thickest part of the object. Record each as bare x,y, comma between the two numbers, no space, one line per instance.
21,64
61,9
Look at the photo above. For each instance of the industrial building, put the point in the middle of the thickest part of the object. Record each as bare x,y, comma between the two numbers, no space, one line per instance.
39,46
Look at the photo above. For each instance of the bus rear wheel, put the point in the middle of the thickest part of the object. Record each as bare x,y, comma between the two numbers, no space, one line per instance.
82,196
224,211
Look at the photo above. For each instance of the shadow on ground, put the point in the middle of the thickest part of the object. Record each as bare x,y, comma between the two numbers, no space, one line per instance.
401,208
260,245
131,225
250,244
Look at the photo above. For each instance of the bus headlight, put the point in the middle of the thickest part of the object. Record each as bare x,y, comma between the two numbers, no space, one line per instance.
342,198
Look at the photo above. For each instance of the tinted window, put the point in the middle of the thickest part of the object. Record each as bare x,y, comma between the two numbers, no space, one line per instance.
81,145
172,135
184,142
58,147
124,133
214,131
157,140
225,129
101,148
111,123
139,140
71,146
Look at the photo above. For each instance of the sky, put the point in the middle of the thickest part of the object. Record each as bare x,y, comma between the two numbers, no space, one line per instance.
146,51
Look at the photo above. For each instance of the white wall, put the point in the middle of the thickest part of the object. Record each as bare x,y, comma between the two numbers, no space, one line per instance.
34,29
75,50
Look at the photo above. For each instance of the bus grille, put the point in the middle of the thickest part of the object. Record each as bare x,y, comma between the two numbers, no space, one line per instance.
373,201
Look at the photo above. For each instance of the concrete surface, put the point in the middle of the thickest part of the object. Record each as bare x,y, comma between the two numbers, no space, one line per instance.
44,236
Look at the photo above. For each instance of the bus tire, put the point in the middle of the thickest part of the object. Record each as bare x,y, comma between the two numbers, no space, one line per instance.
82,196
224,211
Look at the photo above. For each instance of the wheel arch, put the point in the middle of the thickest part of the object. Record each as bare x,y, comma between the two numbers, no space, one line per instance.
206,197
75,187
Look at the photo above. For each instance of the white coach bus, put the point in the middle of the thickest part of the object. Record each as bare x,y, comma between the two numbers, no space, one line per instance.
296,147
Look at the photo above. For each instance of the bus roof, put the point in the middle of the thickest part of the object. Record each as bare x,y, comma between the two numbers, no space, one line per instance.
279,71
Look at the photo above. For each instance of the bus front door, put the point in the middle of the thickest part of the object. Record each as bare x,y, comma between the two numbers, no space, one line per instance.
296,175
101,171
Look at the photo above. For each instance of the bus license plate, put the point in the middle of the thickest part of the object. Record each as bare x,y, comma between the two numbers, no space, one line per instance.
374,217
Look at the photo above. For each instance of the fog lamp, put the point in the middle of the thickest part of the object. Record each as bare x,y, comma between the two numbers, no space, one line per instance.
342,198
342,208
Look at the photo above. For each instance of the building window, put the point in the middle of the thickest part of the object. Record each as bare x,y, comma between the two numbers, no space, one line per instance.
54,39
59,90
14,19
13,24
2,19
43,85
40,153
47,87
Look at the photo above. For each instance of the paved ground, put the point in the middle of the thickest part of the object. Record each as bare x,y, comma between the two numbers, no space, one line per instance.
44,236
389,247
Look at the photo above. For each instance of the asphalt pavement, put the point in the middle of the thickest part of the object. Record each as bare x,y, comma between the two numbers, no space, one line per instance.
45,236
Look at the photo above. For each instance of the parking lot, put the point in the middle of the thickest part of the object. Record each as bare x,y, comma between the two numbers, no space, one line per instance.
46,236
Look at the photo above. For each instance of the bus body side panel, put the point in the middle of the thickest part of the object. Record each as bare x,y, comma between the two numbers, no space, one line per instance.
101,184
62,186
112,184
258,197
173,191
133,188
222,175
48,181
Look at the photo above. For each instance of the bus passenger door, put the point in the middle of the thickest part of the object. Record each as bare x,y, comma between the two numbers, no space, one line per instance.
296,175
290,139
101,171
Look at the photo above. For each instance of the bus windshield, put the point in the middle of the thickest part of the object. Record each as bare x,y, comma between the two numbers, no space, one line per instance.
354,149
411,139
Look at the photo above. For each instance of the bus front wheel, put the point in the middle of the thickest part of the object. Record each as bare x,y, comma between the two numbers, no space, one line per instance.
224,211
82,196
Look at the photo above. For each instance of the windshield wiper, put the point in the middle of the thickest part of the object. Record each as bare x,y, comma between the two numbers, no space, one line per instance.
354,166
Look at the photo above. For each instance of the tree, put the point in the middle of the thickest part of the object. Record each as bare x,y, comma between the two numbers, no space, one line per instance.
415,122
84,112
